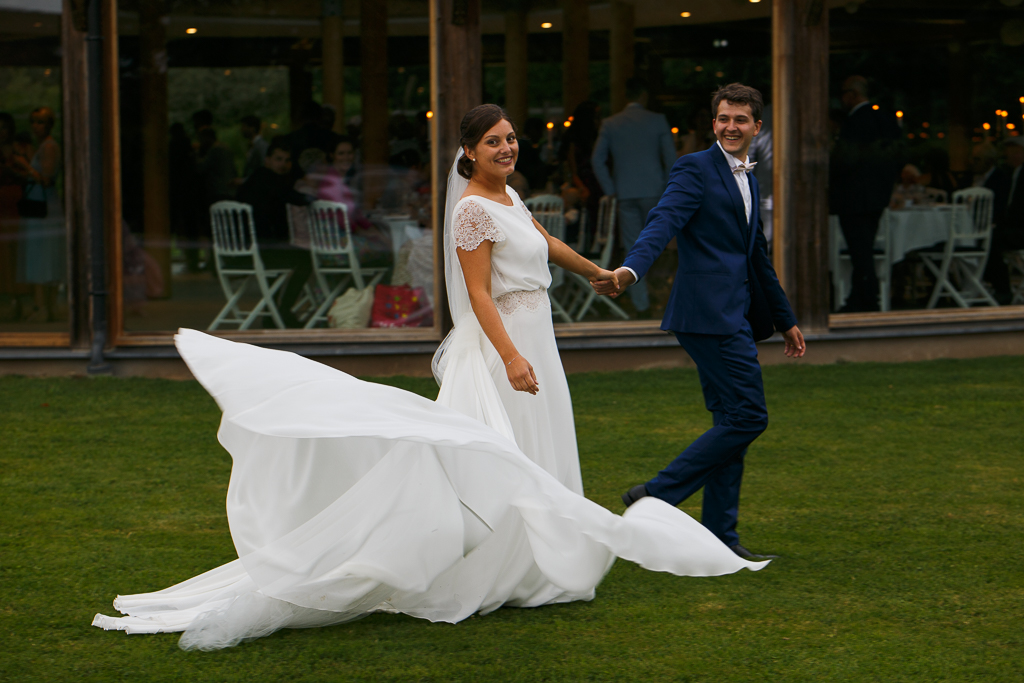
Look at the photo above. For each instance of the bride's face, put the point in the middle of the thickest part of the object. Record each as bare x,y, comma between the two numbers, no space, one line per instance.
497,151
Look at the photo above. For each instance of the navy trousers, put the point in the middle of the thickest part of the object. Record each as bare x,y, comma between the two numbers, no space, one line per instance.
730,377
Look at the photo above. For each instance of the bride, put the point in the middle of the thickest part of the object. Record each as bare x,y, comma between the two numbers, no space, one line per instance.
348,498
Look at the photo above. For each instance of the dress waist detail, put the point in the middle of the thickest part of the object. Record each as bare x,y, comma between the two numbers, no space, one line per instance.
510,302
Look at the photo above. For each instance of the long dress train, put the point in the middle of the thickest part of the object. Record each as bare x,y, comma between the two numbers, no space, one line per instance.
348,497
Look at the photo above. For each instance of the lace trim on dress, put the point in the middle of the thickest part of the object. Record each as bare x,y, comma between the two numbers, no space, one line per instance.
473,225
510,302
527,210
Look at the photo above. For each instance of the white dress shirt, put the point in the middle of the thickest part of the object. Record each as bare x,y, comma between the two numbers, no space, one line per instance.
742,182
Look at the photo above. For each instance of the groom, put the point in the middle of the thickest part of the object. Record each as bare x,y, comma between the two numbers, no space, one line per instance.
725,297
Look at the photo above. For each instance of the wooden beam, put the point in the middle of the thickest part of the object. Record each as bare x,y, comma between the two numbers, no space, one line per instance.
516,65
333,40
959,107
575,54
373,63
621,53
154,124
112,172
74,116
456,86
800,138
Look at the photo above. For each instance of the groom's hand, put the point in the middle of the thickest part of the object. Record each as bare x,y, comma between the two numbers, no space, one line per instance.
613,287
795,344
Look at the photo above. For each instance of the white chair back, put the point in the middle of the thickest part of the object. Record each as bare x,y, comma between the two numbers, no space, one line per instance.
972,213
549,210
329,230
234,230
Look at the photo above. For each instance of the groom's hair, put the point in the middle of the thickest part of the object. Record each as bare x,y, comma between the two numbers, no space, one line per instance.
738,94
475,125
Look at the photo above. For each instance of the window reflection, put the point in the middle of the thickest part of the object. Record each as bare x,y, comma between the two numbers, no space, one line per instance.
926,151
284,209
33,233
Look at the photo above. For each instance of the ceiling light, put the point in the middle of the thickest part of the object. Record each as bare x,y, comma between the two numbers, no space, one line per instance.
191,31
546,24
430,114
550,125
684,15
899,114
875,107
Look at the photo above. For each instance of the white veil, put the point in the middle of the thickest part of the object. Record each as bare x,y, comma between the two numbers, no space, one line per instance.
455,283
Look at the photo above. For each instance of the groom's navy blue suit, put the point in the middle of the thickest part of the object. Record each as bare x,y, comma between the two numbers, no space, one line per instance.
720,255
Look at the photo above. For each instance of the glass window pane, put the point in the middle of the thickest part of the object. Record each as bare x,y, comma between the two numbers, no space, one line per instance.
33,232
267,185
926,211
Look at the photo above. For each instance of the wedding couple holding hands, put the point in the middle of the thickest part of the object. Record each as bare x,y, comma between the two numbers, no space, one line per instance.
348,497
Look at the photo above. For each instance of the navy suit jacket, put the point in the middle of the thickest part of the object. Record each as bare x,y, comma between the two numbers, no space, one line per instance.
720,252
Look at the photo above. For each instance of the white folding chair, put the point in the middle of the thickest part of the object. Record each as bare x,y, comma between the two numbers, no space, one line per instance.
549,210
839,261
604,235
1015,262
334,254
958,266
236,254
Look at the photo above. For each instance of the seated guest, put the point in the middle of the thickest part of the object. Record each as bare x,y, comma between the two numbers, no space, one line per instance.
909,190
250,127
268,190
937,174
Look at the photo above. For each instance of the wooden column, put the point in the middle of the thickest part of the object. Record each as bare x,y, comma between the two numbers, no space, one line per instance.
300,89
516,65
373,62
800,138
959,107
155,179
621,53
575,54
456,86
332,27
75,103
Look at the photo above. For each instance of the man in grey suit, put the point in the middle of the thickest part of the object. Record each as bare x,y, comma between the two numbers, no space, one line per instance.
632,158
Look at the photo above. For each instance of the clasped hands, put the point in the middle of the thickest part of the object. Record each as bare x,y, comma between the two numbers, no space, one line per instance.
612,283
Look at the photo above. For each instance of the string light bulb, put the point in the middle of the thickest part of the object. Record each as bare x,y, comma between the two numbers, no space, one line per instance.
550,125
899,114
430,114
546,24
192,31
875,107
684,15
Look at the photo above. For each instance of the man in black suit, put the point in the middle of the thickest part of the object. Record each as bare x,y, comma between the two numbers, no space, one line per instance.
864,168
1008,234
268,190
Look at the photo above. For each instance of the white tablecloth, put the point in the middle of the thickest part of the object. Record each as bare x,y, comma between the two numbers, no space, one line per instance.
906,229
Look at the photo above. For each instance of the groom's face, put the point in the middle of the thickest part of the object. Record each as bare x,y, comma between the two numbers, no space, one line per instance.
735,128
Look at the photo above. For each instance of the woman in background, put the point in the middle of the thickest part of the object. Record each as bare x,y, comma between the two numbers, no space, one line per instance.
41,258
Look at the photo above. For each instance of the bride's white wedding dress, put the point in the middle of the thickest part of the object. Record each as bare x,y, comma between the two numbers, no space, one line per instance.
348,497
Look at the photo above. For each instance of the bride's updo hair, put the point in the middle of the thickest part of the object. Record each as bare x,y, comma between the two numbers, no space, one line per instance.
475,125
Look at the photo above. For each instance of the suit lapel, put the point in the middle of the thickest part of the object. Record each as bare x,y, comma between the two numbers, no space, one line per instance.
755,213
725,172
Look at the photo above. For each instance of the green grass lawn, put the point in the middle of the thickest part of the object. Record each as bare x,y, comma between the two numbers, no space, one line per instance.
893,493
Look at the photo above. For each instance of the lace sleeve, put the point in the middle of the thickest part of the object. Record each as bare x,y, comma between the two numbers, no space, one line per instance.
527,210
474,225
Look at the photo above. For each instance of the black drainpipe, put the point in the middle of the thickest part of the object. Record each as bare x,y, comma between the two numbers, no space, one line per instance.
97,248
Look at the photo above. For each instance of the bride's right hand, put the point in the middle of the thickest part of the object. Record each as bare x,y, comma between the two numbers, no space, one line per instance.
521,376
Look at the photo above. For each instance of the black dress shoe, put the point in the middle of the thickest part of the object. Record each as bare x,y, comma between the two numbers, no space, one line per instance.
634,494
747,555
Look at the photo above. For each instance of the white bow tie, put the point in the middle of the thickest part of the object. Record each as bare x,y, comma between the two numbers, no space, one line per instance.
743,168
